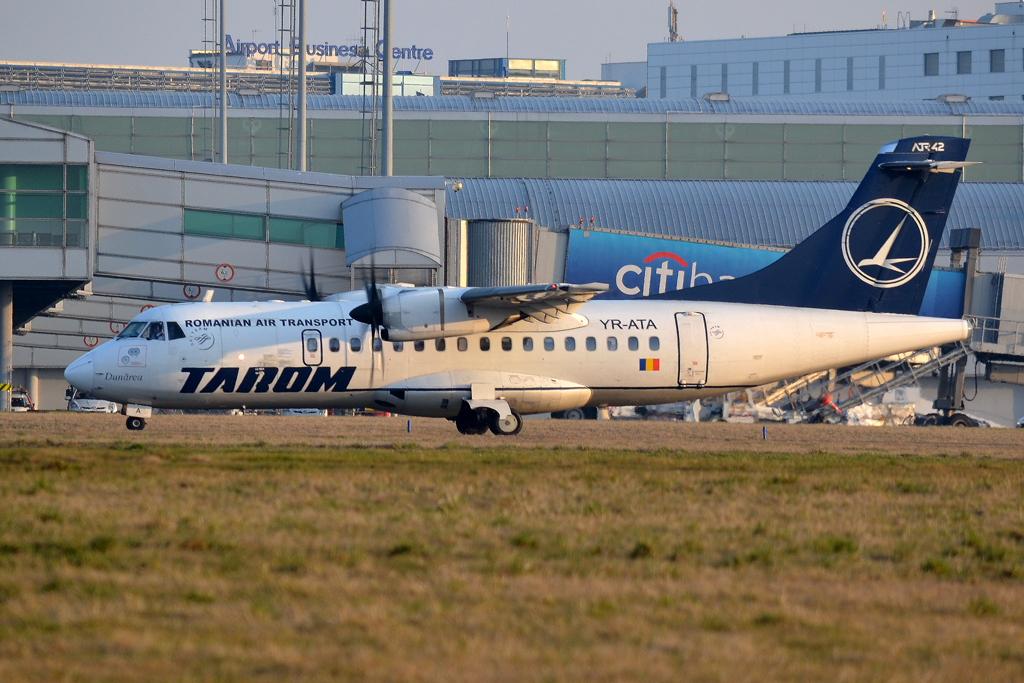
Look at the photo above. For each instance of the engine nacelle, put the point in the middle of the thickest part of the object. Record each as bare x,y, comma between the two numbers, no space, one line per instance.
429,314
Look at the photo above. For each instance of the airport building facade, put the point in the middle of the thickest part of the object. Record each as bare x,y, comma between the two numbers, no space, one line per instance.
917,60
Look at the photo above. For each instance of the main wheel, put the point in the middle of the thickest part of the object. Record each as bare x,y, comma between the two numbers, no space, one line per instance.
470,422
574,414
509,426
135,424
961,420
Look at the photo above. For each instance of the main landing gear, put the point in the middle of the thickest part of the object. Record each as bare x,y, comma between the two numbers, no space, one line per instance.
475,422
136,424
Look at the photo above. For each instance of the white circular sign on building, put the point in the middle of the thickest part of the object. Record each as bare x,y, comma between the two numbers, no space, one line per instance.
192,291
225,272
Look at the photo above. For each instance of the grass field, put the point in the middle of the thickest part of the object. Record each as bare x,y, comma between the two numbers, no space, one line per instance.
249,549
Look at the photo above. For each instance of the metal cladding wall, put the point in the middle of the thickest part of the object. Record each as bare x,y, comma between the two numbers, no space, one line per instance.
499,252
553,137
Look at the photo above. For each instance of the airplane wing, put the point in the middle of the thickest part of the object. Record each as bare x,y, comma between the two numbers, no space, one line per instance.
543,303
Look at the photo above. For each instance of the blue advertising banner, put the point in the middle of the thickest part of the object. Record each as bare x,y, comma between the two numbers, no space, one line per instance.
635,266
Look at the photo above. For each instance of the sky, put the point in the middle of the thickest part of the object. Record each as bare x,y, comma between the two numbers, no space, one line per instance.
585,33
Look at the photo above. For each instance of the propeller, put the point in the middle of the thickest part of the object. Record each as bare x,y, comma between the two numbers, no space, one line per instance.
310,285
372,313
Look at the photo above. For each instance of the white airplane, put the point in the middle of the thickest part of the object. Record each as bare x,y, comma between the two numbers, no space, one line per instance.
484,357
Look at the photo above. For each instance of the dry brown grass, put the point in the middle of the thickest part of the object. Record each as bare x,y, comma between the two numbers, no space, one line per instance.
239,548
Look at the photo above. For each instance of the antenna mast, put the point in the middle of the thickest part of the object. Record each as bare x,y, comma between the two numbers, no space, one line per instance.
673,23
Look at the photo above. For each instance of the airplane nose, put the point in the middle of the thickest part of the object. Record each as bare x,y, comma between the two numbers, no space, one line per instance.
79,374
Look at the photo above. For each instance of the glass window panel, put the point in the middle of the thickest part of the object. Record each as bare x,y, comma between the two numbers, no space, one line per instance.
310,233
33,204
654,343
613,343
311,344
527,343
398,346
570,343
335,344
506,343
439,344
418,345
377,345
78,206
76,233
549,343
174,331
634,344
218,224
78,178
485,343
21,177
463,344
356,343
591,344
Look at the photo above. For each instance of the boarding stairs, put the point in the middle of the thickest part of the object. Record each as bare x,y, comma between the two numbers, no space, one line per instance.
861,384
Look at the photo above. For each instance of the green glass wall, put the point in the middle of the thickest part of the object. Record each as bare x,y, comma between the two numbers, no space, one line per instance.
478,145
43,205
243,226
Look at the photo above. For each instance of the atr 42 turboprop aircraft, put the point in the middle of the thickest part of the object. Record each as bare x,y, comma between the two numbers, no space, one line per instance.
483,357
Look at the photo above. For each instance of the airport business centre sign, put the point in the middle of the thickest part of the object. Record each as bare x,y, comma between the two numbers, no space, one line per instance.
326,49
636,266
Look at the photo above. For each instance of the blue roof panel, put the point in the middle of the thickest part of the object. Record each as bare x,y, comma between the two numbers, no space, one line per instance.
765,213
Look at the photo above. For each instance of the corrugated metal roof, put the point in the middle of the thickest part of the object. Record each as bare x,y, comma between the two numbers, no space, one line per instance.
585,105
767,213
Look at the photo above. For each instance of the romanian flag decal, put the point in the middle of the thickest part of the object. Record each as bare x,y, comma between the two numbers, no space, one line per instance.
650,364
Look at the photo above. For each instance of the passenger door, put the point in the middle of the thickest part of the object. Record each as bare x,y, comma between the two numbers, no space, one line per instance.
692,333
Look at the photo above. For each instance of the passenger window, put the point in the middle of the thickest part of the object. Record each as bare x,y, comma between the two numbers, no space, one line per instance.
398,346
311,344
549,343
334,344
418,345
439,344
613,343
570,343
463,344
155,332
485,343
591,344
377,344
506,343
356,343
654,343
634,343
527,343
174,331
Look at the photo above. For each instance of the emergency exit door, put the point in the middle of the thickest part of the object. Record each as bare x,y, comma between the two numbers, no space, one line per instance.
692,333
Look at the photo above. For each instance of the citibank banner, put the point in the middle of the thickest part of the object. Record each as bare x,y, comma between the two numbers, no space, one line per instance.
635,266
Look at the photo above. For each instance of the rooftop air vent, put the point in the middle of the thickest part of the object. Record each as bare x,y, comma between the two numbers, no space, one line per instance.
716,96
248,92
483,95
953,98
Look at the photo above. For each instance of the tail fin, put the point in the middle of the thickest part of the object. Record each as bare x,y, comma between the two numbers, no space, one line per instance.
877,254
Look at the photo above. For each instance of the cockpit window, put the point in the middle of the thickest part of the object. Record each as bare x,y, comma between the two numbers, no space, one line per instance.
174,331
131,330
154,332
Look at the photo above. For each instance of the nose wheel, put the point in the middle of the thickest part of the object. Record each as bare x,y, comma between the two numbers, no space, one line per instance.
508,426
135,424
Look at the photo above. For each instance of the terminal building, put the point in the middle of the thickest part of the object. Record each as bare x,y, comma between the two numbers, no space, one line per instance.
981,59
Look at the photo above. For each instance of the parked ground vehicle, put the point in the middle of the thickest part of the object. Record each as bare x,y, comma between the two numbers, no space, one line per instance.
21,402
84,403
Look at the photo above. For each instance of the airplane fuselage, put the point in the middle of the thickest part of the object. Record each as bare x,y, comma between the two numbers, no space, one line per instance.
302,354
